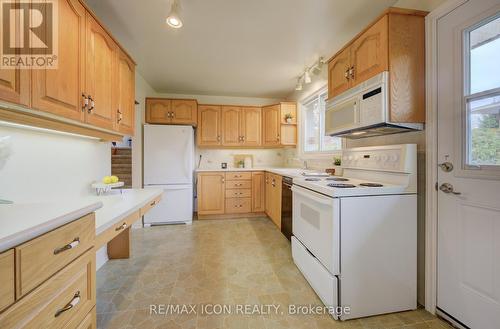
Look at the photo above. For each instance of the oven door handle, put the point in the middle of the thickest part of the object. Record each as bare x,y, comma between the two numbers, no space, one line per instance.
312,195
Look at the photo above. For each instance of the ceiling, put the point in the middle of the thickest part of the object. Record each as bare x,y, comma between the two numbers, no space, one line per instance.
233,47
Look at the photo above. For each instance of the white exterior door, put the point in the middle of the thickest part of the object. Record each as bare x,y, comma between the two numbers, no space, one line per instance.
468,92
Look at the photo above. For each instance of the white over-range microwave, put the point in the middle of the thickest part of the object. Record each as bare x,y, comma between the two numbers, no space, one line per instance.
363,111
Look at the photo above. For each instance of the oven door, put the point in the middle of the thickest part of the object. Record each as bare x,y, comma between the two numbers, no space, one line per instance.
315,222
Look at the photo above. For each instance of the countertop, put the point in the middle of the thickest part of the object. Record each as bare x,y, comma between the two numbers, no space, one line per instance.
21,222
290,172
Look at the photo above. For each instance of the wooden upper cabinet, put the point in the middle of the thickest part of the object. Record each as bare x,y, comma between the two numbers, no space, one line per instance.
250,126
184,111
99,75
59,91
158,110
125,94
209,125
369,52
271,125
338,73
15,86
231,120
211,193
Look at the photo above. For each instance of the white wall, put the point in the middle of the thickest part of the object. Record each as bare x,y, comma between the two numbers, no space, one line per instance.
46,165
427,5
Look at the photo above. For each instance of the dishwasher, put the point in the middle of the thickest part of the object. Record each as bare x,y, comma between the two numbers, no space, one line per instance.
286,207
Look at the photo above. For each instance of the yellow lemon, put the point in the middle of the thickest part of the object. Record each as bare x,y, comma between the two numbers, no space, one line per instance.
106,180
114,179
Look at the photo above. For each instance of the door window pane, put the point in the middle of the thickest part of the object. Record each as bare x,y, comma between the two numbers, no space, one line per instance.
484,57
484,132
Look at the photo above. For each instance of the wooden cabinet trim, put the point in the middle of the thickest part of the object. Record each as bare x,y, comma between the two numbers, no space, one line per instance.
7,274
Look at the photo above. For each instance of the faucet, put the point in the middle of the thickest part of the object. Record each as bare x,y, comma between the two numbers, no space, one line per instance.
6,201
305,164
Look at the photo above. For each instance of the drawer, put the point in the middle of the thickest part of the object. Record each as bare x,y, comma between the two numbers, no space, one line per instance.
7,286
110,233
238,175
150,205
238,205
64,299
233,184
239,193
40,258
89,322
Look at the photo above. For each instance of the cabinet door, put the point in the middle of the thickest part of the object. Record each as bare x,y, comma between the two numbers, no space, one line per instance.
231,121
99,75
288,134
258,192
59,91
338,76
184,111
276,200
268,193
271,125
211,193
125,89
209,125
158,110
369,52
251,123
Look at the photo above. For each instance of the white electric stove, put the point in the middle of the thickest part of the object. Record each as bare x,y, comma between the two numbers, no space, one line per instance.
355,236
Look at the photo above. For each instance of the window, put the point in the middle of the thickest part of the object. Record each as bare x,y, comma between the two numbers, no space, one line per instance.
313,122
482,94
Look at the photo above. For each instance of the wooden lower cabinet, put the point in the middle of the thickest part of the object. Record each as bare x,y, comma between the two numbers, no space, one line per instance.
273,197
7,286
211,190
235,193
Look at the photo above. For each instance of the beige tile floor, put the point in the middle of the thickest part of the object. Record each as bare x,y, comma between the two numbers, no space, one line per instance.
230,262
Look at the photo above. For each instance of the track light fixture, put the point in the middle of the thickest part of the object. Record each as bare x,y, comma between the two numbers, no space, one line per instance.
306,76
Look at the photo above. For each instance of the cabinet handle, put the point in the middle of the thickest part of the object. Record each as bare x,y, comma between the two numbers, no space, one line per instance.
152,203
85,102
121,227
242,138
223,180
172,115
346,74
218,138
71,245
92,104
74,301
120,117
351,72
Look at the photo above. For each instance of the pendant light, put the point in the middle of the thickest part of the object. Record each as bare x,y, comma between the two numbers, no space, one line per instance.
173,19
298,87
307,77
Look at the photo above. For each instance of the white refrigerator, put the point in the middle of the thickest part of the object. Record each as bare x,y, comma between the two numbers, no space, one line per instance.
168,165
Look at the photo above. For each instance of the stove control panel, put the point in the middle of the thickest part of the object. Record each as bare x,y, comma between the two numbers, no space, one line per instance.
396,158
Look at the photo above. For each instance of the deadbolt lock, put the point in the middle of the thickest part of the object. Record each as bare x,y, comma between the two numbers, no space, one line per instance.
446,166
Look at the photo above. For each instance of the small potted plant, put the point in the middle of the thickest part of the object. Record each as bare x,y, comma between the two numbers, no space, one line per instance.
241,164
288,117
337,161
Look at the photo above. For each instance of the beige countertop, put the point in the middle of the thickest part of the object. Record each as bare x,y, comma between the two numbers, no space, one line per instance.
21,222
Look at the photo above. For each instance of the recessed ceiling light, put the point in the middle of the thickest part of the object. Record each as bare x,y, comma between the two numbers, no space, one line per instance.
173,19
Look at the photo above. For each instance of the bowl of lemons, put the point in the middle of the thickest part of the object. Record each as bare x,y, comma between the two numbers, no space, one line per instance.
106,184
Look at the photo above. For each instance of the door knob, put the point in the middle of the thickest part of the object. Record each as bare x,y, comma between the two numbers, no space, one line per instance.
446,166
448,188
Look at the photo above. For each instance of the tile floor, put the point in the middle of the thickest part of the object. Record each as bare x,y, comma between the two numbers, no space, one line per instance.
232,262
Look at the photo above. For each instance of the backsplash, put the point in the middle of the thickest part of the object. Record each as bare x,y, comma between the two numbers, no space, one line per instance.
47,166
212,158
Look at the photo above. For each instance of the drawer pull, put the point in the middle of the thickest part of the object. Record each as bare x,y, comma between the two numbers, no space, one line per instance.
152,203
121,227
70,305
71,245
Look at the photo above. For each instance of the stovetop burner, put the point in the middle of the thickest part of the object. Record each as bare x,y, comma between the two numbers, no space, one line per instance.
338,179
371,184
312,179
341,185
